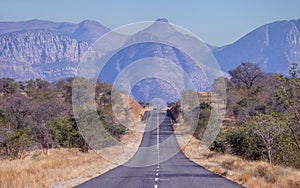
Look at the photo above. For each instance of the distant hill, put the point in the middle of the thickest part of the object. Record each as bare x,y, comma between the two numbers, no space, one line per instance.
273,46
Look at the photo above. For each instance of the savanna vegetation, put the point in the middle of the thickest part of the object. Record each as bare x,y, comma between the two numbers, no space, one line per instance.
262,120
37,114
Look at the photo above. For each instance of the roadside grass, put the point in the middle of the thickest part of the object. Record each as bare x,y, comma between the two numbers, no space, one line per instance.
67,167
40,170
252,174
64,167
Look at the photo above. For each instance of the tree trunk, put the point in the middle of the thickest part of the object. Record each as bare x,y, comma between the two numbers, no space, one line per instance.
294,136
269,154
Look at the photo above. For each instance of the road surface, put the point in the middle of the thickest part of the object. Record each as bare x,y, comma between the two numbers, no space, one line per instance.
159,163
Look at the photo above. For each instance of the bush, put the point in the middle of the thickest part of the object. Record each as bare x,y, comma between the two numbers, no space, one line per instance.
204,116
64,132
15,143
236,141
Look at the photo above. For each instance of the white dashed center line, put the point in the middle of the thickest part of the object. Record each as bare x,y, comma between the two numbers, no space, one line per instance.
158,149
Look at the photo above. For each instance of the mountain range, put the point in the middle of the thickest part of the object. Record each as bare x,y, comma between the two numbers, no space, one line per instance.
52,51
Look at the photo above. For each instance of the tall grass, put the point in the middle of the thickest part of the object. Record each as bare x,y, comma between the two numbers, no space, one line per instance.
252,174
39,170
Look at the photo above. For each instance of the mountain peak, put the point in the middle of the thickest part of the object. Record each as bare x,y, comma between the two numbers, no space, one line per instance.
162,20
90,22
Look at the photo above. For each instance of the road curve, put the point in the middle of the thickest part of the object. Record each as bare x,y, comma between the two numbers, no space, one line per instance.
159,163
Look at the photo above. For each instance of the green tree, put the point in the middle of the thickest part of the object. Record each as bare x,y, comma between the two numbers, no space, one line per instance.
288,96
63,131
294,70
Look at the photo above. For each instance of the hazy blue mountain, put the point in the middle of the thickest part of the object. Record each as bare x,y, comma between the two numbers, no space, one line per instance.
156,87
52,51
89,31
274,46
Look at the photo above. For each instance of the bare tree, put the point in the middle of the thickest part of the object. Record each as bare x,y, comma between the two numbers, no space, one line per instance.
268,128
246,75
17,110
44,136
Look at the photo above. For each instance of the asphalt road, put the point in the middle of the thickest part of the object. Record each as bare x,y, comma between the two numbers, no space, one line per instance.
159,163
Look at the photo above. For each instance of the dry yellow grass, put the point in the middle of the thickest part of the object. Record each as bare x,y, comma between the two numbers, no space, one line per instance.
39,170
128,146
64,167
69,167
251,174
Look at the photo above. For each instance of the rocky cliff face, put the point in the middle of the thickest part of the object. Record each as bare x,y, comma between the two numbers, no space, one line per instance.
85,31
44,49
40,47
39,53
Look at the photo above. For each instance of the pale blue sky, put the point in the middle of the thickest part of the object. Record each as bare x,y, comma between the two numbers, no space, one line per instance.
217,22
